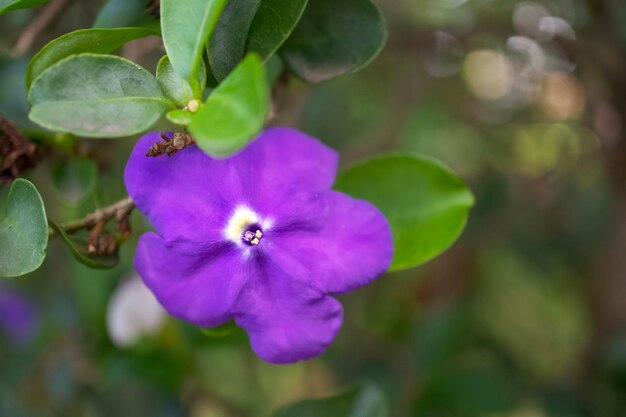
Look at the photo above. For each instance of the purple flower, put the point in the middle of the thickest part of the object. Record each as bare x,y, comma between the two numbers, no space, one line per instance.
259,238
17,316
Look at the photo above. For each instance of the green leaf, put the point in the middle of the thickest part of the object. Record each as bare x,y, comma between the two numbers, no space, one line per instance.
98,41
438,337
259,26
79,250
362,401
75,179
7,6
23,231
174,87
179,117
97,96
220,331
228,43
274,21
334,37
234,112
274,69
468,391
425,203
186,26
13,103
119,13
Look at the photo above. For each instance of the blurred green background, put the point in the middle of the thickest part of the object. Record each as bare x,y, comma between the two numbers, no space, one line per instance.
525,316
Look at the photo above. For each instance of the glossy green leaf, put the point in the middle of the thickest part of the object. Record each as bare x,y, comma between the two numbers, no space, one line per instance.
119,13
186,26
334,37
234,112
23,231
274,21
259,26
75,179
97,96
179,117
176,88
227,45
79,250
98,41
362,401
425,203
7,6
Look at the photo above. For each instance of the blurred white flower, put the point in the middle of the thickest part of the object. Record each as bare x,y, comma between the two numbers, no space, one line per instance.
133,312
526,17
447,55
551,26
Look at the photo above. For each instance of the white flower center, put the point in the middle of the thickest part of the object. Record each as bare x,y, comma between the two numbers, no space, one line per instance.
245,227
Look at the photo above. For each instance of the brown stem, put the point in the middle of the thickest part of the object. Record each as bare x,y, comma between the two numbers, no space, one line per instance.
118,211
41,22
154,8
17,153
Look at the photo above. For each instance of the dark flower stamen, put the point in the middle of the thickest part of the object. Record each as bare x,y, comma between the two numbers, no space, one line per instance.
252,236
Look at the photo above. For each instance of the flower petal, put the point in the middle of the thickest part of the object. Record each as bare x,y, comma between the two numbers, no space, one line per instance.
199,287
286,320
286,161
18,317
132,313
190,195
348,244
173,191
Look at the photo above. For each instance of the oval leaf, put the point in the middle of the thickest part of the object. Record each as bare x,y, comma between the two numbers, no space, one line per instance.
7,6
23,231
269,29
98,41
425,203
334,37
362,401
227,45
79,250
186,26
75,180
234,112
259,26
179,117
118,13
97,96
174,87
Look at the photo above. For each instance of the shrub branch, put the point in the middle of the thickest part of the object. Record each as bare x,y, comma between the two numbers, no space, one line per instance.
120,211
